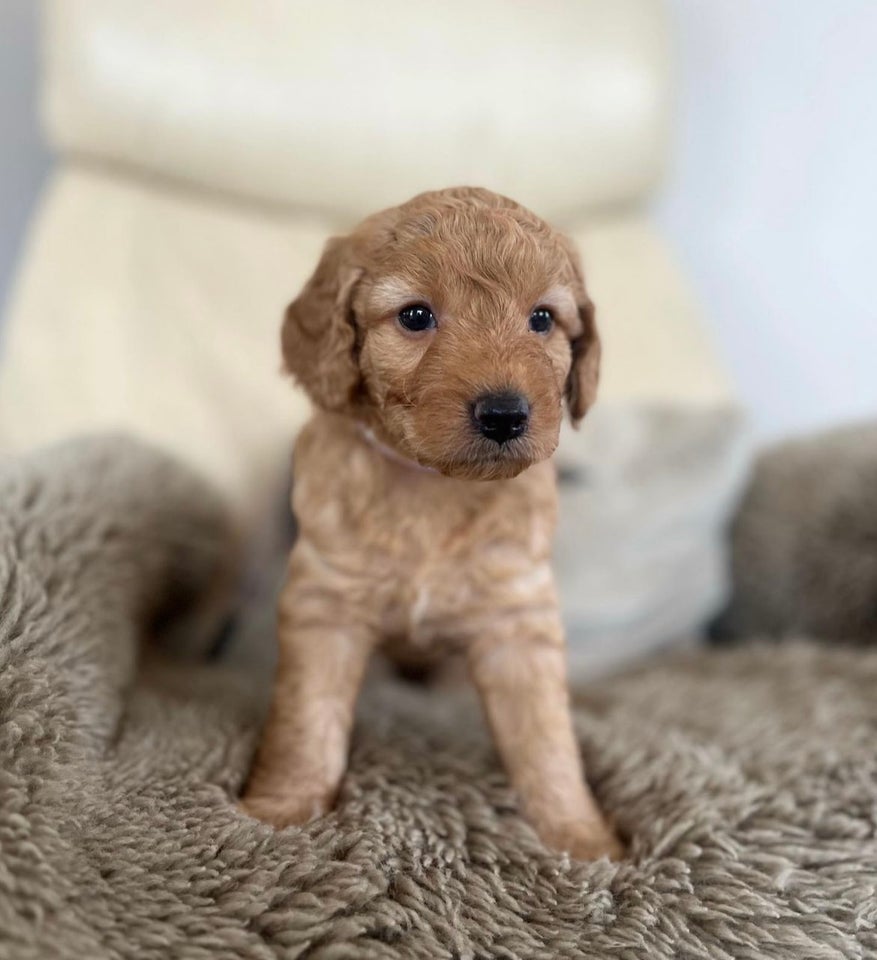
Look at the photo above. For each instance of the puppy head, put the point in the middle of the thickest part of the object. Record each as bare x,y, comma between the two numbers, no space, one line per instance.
458,322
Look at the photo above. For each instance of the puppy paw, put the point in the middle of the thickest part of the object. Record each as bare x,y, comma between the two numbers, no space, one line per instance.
588,840
285,811
592,845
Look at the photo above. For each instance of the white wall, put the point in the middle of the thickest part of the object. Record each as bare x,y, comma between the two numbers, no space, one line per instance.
772,205
772,202
23,160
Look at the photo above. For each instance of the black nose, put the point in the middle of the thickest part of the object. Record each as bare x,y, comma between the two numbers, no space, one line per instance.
501,416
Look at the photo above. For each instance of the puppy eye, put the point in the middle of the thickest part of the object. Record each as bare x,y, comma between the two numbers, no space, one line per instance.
541,320
417,318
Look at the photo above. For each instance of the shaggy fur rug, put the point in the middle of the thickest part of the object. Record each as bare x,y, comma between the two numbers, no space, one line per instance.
745,781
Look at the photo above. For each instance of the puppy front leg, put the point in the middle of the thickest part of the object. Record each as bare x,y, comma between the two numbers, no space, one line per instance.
303,752
521,678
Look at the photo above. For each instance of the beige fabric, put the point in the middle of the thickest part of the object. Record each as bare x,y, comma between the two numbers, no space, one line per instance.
656,348
155,310
349,107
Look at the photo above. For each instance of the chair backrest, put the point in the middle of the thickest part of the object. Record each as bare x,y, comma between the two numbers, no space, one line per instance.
342,106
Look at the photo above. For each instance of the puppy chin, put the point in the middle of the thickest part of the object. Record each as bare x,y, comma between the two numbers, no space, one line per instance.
504,469
484,460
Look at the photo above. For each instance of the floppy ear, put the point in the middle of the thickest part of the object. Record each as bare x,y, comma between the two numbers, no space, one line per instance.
584,373
319,338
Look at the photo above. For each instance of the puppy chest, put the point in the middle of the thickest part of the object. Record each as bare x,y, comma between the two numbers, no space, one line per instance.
425,613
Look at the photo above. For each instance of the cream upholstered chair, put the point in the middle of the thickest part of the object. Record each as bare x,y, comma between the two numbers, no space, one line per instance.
206,148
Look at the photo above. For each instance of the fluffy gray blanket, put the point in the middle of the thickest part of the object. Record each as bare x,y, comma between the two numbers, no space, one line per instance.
804,541
745,780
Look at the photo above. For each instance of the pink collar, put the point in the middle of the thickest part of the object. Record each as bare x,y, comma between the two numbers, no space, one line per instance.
368,435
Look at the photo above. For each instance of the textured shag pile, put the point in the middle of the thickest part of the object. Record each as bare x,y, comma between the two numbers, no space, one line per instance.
745,780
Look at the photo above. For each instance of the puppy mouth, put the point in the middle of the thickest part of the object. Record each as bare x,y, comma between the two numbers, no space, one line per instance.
518,448
482,459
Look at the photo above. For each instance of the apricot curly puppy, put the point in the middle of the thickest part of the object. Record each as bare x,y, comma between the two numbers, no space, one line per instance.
438,342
